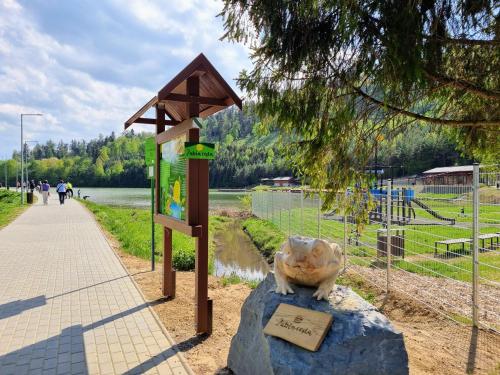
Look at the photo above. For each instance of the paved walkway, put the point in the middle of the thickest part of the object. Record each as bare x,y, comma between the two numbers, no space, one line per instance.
67,306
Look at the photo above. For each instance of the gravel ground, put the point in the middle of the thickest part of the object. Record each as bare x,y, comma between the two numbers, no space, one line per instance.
450,296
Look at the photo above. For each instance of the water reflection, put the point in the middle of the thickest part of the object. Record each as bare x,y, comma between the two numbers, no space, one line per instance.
236,254
141,197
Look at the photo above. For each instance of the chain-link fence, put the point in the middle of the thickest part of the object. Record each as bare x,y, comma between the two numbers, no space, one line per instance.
444,251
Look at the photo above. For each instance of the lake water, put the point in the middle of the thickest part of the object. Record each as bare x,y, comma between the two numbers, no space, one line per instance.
236,254
141,197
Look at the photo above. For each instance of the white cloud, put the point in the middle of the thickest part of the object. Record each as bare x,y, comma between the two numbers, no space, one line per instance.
84,88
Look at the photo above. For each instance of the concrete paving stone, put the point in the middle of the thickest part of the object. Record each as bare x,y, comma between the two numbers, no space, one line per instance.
36,363
115,347
117,357
93,368
120,367
64,368
49,363
78,367
9,369
102,348
104,357
106,368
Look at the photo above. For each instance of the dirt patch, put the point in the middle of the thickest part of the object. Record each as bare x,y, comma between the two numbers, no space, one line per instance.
206,355
435,344
453,297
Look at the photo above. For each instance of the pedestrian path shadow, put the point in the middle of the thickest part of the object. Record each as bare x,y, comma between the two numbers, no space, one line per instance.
61,354
65,353
163,356
17,307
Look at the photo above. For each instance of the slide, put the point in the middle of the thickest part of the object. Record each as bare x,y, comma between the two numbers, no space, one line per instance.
421,204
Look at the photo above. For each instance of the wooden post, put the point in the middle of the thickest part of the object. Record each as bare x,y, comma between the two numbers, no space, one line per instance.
198,215
168,283
160,127
203,305
168,273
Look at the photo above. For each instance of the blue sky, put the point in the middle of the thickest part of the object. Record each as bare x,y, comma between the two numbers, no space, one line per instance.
88,65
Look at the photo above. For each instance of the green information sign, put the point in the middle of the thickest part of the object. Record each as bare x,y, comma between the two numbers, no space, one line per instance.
195,150
150,151
173,166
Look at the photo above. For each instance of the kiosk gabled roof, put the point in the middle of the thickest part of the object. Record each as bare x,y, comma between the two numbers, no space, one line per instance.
215,93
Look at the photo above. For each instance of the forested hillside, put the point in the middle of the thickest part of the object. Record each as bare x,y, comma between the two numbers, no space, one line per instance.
243,156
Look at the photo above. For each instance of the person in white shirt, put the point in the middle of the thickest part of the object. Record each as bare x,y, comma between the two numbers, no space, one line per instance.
61,190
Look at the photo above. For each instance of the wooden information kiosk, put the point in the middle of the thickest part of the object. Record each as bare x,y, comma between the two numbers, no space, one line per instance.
181,184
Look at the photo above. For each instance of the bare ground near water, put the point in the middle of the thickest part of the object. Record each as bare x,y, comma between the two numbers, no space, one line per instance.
435,345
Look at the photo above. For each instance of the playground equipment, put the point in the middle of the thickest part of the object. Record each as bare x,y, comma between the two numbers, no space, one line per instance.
401,210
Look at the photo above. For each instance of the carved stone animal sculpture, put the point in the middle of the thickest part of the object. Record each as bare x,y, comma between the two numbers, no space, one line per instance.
307,261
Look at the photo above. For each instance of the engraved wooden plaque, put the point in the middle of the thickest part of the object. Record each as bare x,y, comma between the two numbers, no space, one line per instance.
303,327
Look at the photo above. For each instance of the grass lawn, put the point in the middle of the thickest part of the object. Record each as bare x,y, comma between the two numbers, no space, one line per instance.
10,206
132,228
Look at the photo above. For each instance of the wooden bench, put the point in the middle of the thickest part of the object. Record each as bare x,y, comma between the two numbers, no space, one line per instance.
449,242
463,241
489,236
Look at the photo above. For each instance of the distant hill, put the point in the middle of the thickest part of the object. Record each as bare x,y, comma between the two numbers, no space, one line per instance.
243,156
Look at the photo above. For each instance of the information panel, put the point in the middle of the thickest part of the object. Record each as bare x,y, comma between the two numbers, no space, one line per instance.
173,167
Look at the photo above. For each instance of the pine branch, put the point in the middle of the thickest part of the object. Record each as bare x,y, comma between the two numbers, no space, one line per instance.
466,41
432,120
464,85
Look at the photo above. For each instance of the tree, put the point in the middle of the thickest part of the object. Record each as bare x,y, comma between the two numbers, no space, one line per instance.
62,150
335,74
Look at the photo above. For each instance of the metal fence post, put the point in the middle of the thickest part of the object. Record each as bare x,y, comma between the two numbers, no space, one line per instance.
301,211
280,198
475,243
289,210
344,252
388,237
272,206
319,216
266,198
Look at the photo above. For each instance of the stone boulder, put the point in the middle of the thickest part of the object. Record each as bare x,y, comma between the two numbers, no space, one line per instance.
360,341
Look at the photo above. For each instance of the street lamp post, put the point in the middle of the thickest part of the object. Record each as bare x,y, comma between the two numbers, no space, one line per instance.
22,152
27,160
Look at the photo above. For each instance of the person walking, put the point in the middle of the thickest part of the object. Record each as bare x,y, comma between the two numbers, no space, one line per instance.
69,190
45,188
61,190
